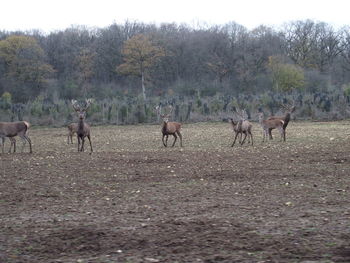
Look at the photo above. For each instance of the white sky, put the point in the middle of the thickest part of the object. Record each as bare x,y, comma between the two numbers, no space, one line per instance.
49,15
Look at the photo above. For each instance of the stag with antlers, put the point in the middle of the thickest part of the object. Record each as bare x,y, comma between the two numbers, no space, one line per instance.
288,109
83,128
242,127
169,128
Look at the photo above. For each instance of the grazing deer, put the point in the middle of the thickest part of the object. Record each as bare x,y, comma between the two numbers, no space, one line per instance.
72,129
288,109
12,129
271,124
83,129
242,127
169,128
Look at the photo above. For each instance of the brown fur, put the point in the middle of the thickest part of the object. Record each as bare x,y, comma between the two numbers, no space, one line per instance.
285,119
12,129
171,128
271,124
242,127
72,129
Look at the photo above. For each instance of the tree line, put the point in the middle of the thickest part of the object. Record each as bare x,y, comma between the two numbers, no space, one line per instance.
129,61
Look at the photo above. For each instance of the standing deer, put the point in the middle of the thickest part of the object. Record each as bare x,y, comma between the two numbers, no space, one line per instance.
12,129
72,129
169,128
83,128
289,109
242,127
271,124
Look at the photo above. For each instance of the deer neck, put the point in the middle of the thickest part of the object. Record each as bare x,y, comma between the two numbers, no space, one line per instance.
287,117
81,125
164,127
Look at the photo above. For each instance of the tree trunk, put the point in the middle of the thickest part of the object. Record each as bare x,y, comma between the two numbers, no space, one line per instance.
143,85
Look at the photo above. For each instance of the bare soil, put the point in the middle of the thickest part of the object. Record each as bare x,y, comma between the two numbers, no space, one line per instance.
133,200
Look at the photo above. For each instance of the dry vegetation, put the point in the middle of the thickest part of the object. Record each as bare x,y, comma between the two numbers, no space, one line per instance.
133,200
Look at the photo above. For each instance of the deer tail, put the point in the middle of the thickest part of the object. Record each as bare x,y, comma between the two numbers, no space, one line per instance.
27,124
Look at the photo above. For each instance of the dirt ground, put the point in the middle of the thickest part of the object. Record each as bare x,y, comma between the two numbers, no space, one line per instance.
133,200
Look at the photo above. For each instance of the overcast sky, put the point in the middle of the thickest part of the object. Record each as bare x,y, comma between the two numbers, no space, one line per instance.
50,15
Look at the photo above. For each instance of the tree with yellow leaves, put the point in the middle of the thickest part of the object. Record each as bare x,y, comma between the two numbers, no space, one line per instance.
24,63
140,55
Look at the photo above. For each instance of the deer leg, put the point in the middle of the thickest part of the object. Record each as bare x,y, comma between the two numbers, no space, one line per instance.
13,141
90,142
163,140
240,137
78,143
166,140
245,136
14,145
82,143
270,134
23,142
25,139
3,144
180,136
175,138
30,143
251,136
234,139
70,139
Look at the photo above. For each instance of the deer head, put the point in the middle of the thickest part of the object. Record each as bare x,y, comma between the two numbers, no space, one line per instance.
166,116
81,109
288,108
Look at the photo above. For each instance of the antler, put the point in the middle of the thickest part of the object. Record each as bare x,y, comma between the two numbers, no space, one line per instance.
289,107
75,106
159,110
242,114
171,110
87,103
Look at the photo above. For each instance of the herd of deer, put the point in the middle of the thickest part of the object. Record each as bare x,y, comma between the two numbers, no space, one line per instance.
280,123
82,129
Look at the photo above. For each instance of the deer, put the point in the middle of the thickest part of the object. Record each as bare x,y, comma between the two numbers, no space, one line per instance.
12,129
241,127
83,129
271,124
289,109
169,128
72,129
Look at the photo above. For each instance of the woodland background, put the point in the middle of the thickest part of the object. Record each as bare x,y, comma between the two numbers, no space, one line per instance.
204,72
